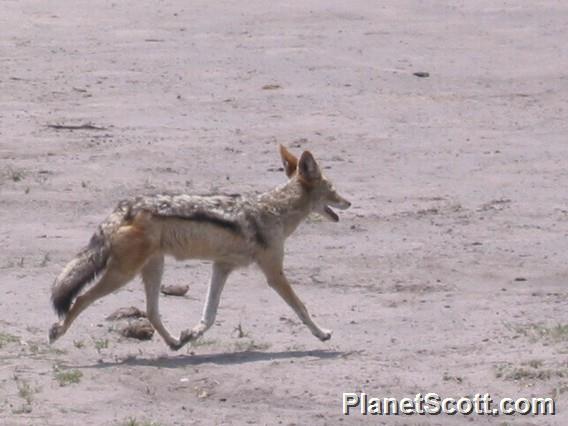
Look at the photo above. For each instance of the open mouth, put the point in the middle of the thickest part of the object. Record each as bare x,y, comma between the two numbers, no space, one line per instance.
331,214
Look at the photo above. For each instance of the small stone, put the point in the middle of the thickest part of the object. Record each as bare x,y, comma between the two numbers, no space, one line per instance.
140,329
122,313
422,74
175,290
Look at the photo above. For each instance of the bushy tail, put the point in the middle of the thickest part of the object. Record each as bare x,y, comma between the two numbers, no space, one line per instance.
88,263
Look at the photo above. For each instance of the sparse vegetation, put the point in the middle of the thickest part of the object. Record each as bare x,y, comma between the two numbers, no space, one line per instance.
68,377
45,260
535,363
240,332
15,175
34,348
449,378
250,345
26,392
41,348
203,342
101,344
6,338
79,344
24,409
540,332
531,370
131,421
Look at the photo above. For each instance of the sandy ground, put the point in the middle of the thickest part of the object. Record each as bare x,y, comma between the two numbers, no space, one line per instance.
448,274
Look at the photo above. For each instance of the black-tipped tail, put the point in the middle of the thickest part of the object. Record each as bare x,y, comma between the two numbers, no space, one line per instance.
88,263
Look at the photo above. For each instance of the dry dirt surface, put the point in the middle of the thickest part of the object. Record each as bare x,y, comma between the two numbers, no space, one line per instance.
447,275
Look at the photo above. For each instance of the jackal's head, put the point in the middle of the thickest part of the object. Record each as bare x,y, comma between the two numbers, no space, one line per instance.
322,193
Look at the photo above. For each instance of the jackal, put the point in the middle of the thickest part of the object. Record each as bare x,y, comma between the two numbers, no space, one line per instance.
232,231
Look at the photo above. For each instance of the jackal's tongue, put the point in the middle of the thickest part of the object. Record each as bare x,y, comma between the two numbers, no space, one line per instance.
332,215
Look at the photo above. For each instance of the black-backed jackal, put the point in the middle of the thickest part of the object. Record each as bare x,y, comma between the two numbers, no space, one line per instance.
230,230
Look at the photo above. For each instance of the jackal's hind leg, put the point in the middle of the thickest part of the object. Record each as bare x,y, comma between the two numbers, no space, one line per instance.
111,281
219,277
132,245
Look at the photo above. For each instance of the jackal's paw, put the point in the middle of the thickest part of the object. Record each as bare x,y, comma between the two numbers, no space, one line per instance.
55,332
187,336
324,335
175,345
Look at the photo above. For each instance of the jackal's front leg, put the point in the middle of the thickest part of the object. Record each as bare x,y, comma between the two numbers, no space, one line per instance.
152,278
219,276
277,280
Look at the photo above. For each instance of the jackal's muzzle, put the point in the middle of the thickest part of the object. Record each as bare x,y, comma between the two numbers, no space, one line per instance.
340,203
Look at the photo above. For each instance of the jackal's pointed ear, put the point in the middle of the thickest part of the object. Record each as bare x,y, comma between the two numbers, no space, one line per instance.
289,161
308,167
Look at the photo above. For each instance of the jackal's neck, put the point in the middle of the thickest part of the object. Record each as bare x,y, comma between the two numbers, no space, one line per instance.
289,202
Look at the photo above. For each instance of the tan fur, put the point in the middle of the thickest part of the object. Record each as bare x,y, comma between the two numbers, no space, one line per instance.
289,161
229,230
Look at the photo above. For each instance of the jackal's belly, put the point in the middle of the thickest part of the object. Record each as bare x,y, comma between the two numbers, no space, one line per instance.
206,242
